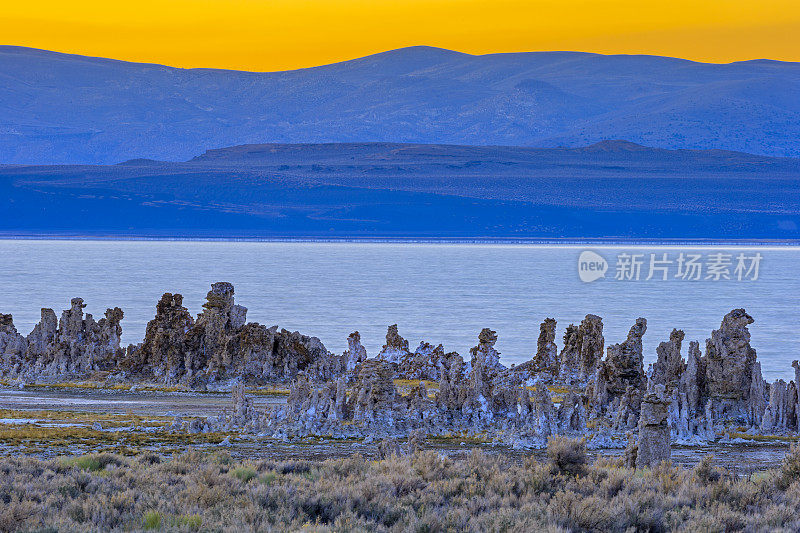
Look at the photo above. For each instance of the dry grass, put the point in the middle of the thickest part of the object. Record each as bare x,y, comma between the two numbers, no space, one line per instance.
30,435
101,385
762,438
415,383
107,420
452,439
406,386
268,390
271,390
423,492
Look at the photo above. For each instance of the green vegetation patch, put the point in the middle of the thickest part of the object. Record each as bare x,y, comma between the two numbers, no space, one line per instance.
30,435
106,420
763,438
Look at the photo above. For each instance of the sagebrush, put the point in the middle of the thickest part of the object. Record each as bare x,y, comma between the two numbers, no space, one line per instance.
421,492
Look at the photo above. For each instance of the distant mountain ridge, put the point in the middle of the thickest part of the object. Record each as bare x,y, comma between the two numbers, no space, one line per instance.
609,190
67,109
365,153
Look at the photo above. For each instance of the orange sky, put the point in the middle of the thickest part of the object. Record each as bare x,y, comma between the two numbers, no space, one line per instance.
285,34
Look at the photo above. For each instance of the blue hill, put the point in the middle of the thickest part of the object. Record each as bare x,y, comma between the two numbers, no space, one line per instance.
66,109
609,190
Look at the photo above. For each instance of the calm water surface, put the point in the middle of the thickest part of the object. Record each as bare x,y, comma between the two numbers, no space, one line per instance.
441,293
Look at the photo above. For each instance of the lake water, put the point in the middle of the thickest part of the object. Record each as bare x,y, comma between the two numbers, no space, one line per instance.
440,293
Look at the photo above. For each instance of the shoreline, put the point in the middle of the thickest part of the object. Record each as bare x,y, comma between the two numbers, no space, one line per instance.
566,242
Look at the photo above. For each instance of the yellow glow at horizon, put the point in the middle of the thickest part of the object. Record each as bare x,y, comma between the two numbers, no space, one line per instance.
286,34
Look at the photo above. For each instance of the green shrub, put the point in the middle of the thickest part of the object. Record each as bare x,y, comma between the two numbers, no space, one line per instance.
152,520
94,462
192,522
243,474
268,478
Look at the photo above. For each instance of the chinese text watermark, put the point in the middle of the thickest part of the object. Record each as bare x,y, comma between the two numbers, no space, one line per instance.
678,265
